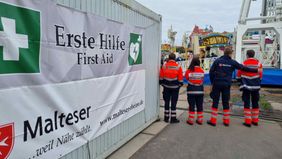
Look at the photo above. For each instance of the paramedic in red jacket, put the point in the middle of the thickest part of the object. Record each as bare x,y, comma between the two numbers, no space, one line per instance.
195,91
171,78
250,85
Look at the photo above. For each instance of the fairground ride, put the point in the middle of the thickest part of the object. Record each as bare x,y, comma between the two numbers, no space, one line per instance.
264,35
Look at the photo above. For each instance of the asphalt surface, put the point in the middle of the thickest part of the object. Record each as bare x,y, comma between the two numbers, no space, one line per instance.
182,141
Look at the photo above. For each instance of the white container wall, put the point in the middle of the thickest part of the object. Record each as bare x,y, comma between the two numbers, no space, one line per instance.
133,13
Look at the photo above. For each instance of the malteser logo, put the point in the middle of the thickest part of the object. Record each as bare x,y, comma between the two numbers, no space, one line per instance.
6,140
19,39
135,49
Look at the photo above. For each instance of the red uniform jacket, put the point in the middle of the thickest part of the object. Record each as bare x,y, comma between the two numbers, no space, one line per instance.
250,81
171,75
195,80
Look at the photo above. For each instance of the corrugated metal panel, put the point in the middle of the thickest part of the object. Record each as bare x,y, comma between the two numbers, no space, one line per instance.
131,12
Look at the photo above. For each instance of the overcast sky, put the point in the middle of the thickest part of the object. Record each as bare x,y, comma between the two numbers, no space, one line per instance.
223,15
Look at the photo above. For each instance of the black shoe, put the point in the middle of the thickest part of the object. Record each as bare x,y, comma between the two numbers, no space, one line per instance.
166,120
247,125
174,121
210,123
225,124
255,124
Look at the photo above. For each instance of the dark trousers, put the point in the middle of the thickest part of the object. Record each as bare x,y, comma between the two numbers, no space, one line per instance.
170,96
224,92
249,96
195,100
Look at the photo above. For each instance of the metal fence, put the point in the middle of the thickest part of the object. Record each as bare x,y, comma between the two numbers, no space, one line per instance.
133,13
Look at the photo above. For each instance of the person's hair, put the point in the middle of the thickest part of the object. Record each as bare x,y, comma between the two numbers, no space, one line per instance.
171,56
195,62
202,53
228,51
250,53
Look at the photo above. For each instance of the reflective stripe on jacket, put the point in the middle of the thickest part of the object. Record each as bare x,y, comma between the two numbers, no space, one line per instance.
250,81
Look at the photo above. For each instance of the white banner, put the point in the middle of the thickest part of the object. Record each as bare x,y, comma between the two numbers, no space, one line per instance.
66,77
53,120
54,44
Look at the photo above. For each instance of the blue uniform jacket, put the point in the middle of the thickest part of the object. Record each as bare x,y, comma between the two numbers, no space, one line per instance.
223,68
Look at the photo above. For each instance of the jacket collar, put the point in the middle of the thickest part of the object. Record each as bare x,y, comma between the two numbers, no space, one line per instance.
226,57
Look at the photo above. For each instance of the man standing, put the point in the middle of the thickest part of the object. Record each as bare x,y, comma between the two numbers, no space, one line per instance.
221,79
250,85
171,78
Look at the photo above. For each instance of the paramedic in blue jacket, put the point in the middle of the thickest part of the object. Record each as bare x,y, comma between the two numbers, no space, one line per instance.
221,79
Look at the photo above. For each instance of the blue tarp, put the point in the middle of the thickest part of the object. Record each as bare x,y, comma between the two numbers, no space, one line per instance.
270,77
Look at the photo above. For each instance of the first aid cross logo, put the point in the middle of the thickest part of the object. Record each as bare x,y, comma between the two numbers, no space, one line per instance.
19,40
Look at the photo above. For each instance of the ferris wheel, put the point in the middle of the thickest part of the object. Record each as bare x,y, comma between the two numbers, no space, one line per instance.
264,37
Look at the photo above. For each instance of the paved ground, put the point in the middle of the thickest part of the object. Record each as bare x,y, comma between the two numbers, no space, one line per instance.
127,150
179,141
204,142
